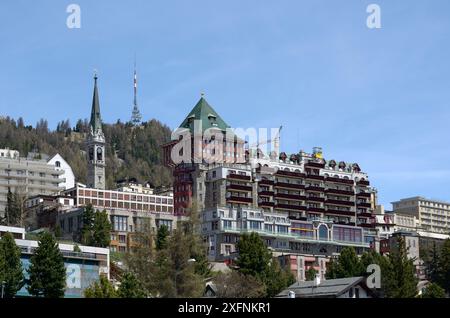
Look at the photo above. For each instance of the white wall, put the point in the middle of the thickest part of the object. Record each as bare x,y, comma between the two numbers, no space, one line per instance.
68,173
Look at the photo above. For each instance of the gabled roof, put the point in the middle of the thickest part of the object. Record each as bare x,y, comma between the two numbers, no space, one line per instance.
206,114
327,288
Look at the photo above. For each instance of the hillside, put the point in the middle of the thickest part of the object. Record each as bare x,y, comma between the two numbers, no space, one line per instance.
132,152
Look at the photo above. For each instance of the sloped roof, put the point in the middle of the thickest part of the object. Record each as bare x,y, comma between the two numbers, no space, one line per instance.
327,288
206,114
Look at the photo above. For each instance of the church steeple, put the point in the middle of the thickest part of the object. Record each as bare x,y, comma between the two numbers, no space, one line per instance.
96,145
96,121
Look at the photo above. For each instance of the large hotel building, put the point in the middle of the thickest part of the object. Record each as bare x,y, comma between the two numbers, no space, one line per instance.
305,207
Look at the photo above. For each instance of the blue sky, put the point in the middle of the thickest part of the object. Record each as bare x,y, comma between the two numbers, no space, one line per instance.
376,97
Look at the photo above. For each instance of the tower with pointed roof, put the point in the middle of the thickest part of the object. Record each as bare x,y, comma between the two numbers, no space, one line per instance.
96,145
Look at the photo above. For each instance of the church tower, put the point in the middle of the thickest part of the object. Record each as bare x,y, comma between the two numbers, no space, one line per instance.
96,145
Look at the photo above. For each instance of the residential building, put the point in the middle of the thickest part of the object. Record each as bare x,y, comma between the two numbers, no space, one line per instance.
29,177
351,287
432,215
68,177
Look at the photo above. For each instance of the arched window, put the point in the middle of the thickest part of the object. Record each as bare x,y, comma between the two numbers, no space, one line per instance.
58,164
323,232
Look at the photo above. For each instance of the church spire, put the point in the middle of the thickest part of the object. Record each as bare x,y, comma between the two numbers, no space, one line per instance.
96,121
136,116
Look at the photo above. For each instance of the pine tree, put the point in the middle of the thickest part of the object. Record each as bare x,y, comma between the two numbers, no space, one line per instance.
162,237
401,281
254,257
346,265
10,266
431,260
444,266
130,287
101,230
47,272
101,289
88,224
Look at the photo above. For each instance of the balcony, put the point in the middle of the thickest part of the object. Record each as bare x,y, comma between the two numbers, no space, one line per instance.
266,204
266,193
339,212
290,207
365,214
363,204
340,202
290,174
367,225
315,164
266,182
289,185
314,209
363,194
238,187
297,197
315,177
238,177
315,188
316,199
240,199
363,183
337,191
339,180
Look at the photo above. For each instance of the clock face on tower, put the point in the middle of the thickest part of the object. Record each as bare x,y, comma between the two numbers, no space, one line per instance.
99,154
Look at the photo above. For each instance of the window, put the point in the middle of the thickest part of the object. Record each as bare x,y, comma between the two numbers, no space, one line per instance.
122,239
120,223
356,292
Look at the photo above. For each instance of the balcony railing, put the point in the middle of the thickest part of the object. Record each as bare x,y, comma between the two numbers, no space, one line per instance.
266,204
315,188
315,177
316,199
363,194
240,199
238,177
290,207
340,202
315,164
290,174
289,185
363,204
340,212
239,187
314,209
338,191
266,182
290,196
363,183
339,180
267,193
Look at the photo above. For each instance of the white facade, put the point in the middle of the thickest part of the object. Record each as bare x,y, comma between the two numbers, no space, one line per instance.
68,177
8,153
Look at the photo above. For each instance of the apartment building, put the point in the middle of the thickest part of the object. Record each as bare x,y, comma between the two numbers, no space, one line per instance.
432,215
29,177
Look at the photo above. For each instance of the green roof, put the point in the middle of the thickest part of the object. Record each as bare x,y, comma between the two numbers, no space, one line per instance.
96,121
206,114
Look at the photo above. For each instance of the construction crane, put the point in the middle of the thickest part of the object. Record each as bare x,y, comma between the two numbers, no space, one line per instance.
276,140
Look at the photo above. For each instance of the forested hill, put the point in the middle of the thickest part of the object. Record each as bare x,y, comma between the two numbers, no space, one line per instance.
132,152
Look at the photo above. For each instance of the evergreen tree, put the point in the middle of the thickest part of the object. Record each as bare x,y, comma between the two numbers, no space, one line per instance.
162,237
431,262
101,230
234,284
401,281
10,266
88,225
254,257
444,266
101,289
130,287
276,279
433,291
346,265
47,272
